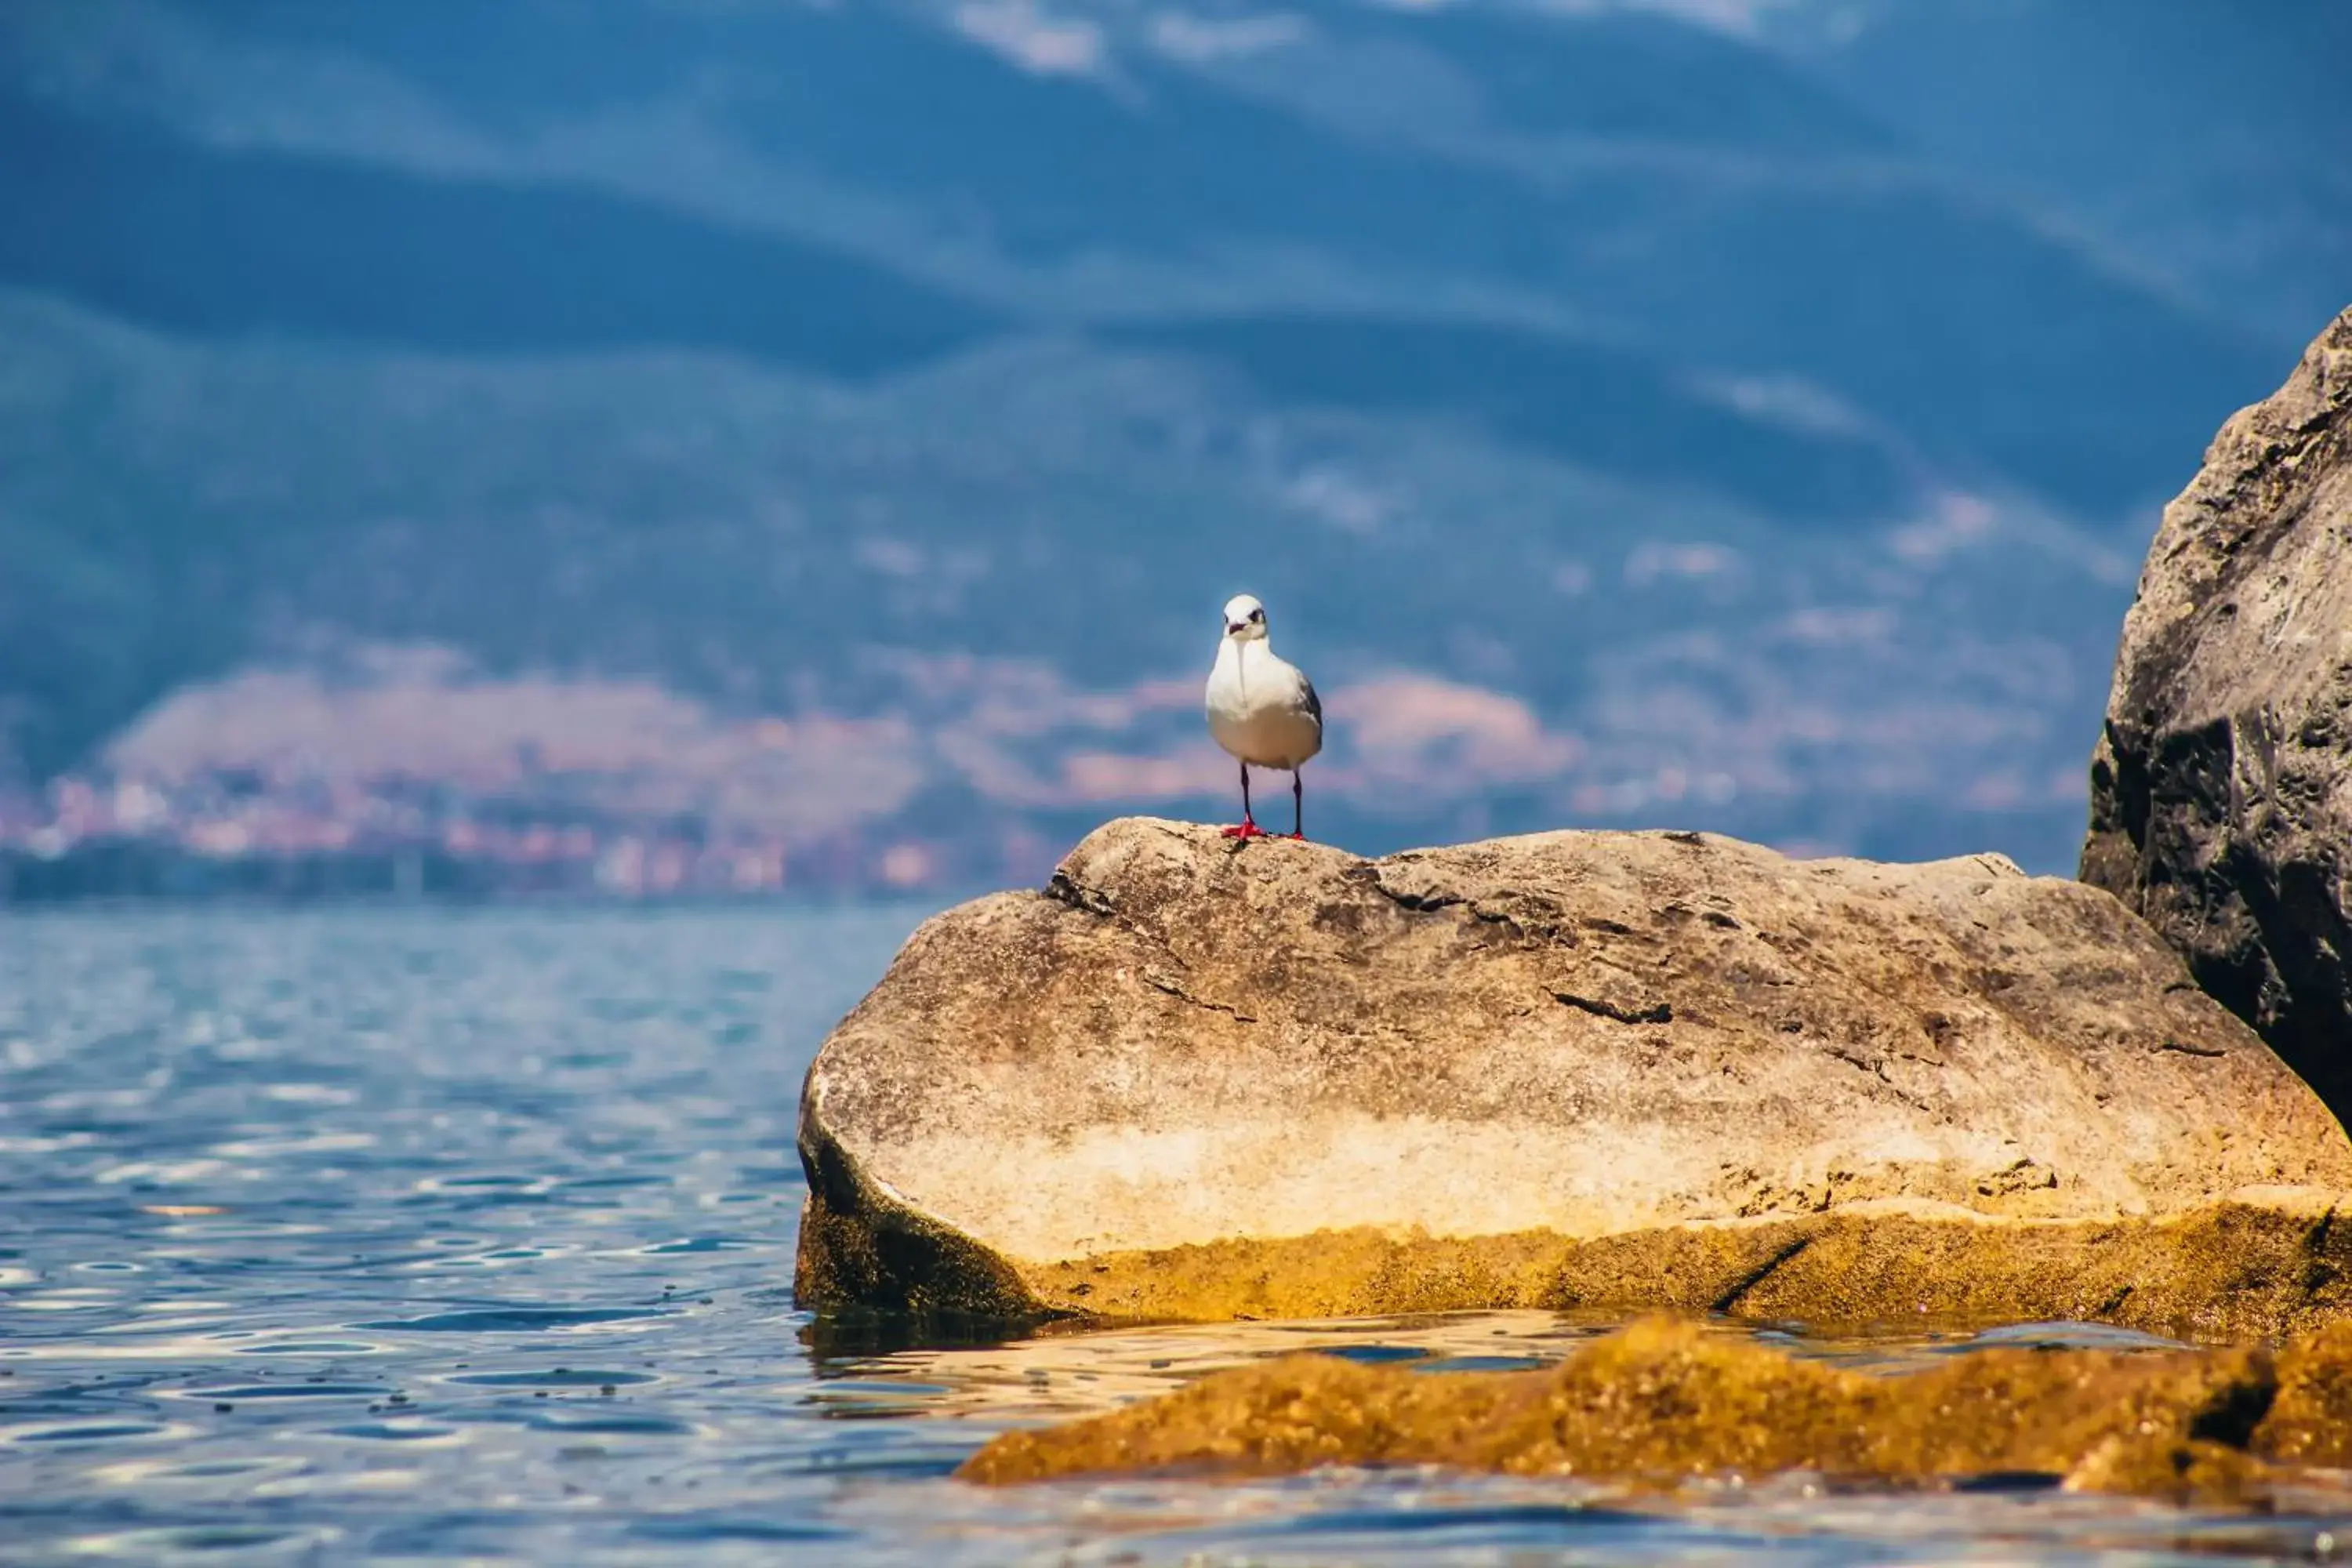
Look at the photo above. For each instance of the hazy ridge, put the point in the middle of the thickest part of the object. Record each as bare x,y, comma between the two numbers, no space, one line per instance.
1629,420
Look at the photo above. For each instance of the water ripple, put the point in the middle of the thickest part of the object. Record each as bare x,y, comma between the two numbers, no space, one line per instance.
429,1233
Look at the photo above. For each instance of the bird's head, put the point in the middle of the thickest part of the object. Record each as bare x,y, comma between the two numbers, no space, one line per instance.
1245,619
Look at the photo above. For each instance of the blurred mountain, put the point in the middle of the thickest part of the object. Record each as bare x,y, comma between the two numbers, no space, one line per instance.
2203,141
840,421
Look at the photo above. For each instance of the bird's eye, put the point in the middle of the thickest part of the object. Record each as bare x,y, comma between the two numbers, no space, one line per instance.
1257,614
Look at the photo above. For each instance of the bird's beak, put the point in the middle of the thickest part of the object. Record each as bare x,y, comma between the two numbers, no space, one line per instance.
1236,627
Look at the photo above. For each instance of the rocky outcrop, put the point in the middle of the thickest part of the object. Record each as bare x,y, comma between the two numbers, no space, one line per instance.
1662,1402
1200,1079
2221,788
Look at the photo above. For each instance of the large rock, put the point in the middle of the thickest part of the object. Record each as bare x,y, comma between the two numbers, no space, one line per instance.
2221,790
1202,1079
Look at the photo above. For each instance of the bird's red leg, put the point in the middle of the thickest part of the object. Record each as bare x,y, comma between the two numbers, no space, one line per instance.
1297,806
1249,827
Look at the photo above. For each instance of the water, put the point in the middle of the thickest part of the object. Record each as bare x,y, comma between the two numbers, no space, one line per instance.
368,1236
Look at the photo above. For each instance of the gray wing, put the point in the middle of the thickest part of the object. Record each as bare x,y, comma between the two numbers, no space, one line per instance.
1314,704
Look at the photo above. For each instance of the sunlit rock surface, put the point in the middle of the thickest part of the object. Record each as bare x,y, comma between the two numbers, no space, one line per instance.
2221,788
1664,1401
1198,1079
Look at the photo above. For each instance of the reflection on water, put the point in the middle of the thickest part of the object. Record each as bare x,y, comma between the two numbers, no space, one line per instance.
1053,1376
358,1234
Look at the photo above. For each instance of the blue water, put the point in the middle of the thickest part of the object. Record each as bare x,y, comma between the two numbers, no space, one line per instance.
328,1237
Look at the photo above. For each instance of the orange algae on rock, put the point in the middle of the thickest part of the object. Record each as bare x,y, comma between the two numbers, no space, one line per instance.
1667,1400
2263,1264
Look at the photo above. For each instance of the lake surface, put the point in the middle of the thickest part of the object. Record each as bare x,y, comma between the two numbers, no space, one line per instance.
364,1235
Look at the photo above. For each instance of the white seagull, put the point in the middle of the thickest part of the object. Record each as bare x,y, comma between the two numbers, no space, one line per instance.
1261,710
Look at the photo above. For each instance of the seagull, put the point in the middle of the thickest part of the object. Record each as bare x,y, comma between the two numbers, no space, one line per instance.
1263,711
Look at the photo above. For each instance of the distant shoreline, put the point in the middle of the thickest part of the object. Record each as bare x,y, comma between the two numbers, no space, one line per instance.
138,876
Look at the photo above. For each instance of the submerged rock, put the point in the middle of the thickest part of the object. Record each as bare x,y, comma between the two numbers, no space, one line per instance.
1199,1080
2221,788
2310,1423
1665,1401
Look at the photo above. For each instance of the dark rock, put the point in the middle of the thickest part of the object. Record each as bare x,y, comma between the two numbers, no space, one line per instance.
2221,789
